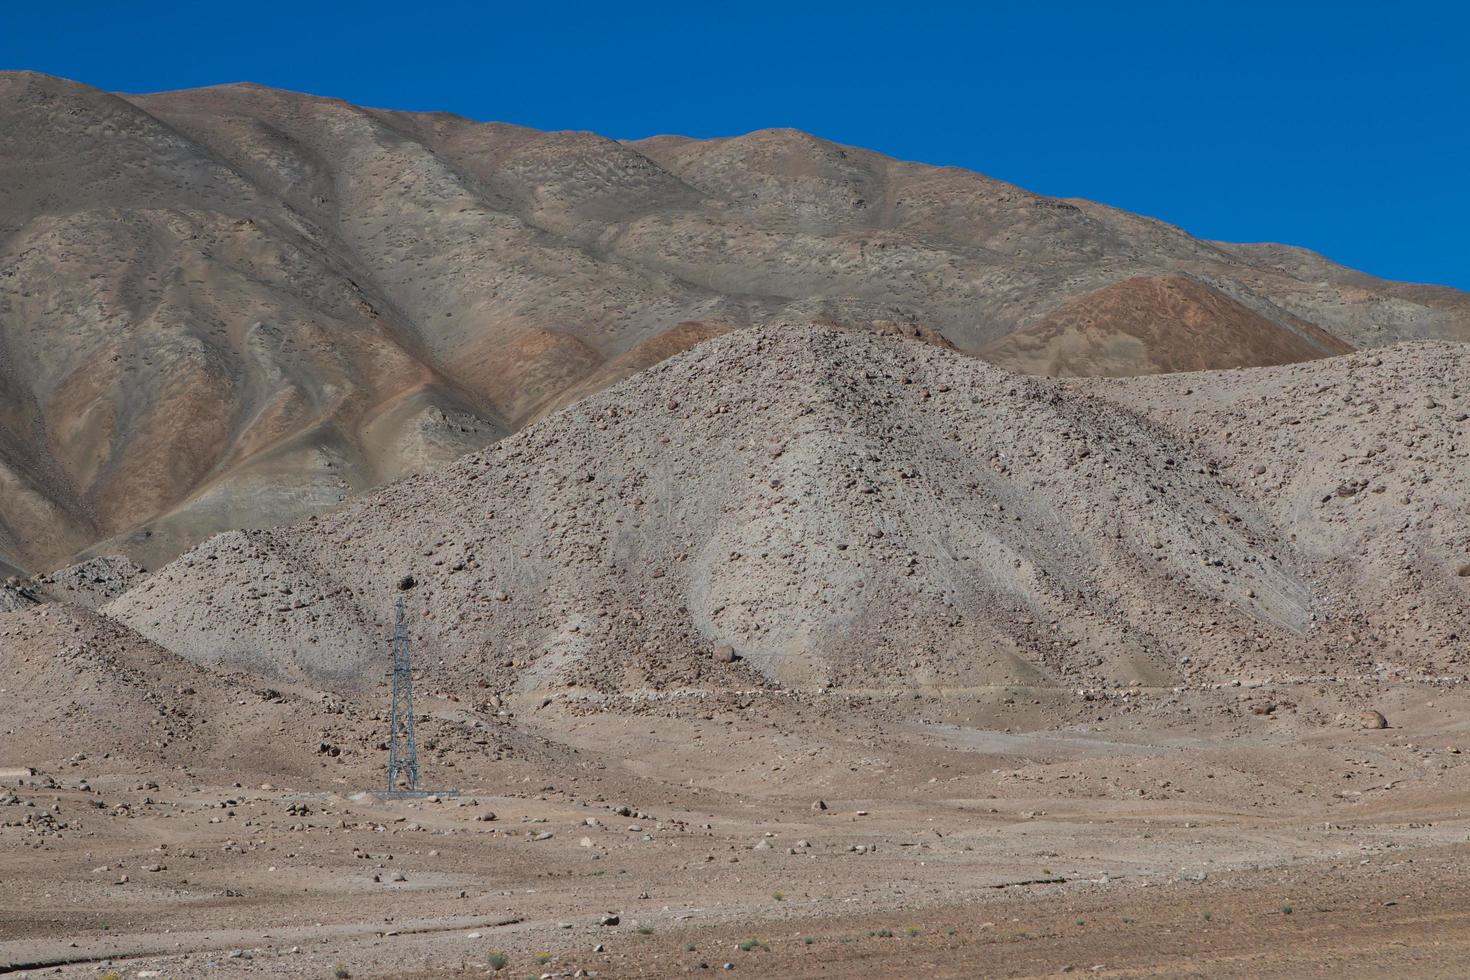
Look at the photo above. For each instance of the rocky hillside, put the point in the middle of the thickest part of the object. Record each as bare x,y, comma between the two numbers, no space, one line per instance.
800,506
235,307
81,686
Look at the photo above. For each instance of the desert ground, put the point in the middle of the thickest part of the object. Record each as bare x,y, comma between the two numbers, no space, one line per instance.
673,834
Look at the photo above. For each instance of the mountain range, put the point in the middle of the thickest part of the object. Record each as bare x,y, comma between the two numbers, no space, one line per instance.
236,307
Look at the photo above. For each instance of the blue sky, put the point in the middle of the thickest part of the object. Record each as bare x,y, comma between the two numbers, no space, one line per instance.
1344,128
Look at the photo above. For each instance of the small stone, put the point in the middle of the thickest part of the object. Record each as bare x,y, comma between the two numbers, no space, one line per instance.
725,654
1372,719
608,920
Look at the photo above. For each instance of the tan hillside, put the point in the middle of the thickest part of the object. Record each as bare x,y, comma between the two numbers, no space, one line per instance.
853,510
1157,325
235,306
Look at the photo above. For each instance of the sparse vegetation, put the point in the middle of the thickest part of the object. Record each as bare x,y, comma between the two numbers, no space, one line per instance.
645,930
542,957
1286,910
751,944
779,896
807,940
339,971
497,960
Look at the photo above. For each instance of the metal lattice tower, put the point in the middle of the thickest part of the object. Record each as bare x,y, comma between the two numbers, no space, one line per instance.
403,747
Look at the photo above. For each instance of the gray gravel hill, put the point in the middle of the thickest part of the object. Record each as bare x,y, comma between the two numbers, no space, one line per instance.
856,510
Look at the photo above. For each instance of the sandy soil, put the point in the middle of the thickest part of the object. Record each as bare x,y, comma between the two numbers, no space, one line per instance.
1137,845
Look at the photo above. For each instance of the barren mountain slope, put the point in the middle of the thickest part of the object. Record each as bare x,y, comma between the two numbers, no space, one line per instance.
853,510
1365,459
235,306
1154,325
81,685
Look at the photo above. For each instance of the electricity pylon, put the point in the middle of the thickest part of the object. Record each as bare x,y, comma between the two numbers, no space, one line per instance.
403,747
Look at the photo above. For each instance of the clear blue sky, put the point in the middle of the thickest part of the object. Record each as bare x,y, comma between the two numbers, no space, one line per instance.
1340,127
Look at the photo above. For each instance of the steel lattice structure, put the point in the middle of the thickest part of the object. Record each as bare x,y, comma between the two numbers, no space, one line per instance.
403,746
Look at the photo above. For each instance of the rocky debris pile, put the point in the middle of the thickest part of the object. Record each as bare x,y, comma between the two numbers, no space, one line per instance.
91,583
793,506
74,679
17,593
1365,460
77,679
